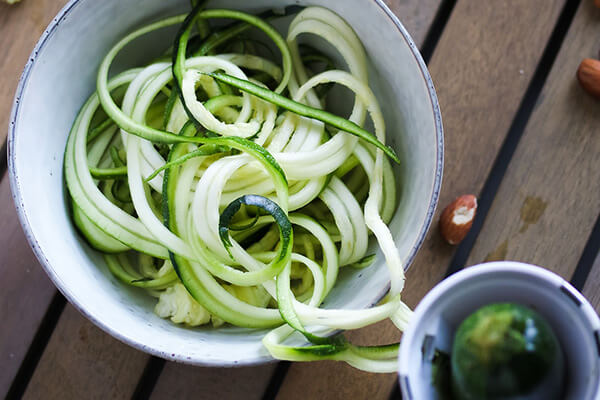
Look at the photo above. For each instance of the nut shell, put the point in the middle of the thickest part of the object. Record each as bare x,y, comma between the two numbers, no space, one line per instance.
457,218
588,75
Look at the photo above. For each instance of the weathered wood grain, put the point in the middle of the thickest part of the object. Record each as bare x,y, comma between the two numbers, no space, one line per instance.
549,199
82,362
20,28
179,381
591,289
479,92
25,291
416,17
66,370
481,67
22,24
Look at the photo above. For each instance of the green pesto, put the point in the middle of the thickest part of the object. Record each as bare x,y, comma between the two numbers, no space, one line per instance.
501,351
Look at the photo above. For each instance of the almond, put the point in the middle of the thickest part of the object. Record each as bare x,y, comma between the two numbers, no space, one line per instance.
589,76
597,3
457,218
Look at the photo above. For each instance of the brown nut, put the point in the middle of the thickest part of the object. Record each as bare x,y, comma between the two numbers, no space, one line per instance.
457,218
589,76
597,3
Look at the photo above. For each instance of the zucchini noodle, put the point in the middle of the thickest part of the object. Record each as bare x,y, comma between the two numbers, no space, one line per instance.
220,184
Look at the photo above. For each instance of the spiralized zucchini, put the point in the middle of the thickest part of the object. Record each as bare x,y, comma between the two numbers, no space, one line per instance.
219,183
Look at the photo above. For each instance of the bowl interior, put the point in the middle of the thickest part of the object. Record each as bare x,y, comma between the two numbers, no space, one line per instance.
61,75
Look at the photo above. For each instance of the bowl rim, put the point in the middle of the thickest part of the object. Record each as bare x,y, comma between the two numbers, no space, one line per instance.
37,250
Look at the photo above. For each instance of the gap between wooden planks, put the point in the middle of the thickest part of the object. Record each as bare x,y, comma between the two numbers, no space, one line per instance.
21,25
169,376
591,290
549,199
417,17
481,67
25,291
79,355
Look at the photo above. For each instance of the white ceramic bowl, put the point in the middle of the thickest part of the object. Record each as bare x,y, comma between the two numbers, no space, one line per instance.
441,311
61,74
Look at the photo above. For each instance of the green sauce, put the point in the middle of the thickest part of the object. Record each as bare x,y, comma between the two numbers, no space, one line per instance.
505,351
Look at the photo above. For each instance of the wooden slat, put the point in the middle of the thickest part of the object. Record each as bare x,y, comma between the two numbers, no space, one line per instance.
76,362
25,291
591,289
82,362
416,17
75,344
482,66
549,199
20,27
179,381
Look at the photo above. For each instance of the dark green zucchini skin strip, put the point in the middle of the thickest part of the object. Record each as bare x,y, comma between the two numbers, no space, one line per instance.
182,266
201,25
101,127
280,217
305,111
219,38
323,346
169,108
199,13
179,54
109,173
329,347
169,179
233,30
195,282
205,150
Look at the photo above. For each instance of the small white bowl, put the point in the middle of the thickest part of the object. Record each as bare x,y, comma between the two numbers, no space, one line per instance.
441,311
61,74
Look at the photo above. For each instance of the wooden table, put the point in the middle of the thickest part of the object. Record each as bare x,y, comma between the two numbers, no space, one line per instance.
520,133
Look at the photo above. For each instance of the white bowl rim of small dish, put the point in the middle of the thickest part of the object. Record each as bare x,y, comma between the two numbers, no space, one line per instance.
493,276
15,183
